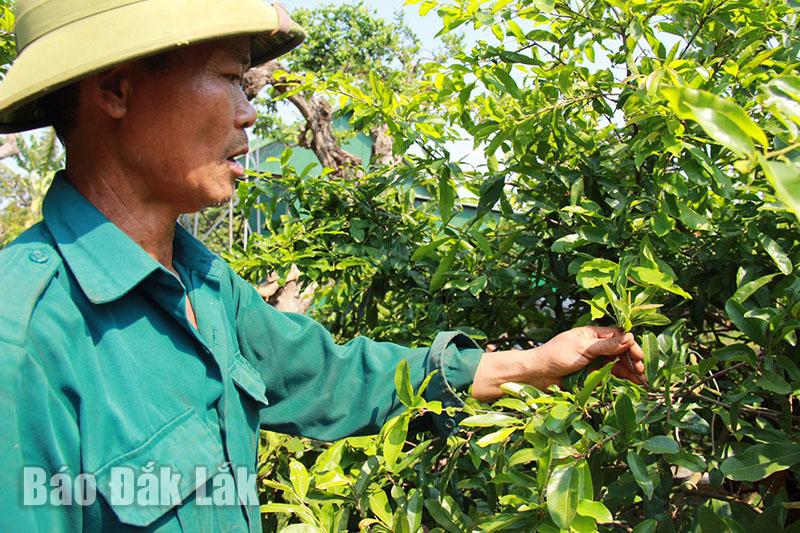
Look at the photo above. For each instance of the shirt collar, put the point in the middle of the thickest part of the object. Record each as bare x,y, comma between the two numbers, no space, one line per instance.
105,261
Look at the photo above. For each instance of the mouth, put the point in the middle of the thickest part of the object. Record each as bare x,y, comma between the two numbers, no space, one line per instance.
235,166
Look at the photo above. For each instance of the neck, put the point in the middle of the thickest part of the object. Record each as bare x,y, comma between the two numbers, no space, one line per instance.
125,202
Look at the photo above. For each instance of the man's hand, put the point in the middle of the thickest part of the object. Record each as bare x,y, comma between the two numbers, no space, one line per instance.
562,355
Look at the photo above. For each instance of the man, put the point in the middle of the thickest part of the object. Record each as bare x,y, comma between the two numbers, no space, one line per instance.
135,367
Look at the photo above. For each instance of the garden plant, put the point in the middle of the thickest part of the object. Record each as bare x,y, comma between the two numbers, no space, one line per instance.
640,167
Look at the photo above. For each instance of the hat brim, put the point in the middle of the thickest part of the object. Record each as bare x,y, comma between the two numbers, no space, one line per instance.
137,30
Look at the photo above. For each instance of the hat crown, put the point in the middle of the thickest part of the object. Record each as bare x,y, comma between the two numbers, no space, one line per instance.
36,18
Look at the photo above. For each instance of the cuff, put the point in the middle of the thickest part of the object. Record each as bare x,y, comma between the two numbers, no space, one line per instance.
456,356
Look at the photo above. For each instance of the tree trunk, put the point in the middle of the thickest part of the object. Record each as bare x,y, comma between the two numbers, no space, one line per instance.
318,133
383,146
318,136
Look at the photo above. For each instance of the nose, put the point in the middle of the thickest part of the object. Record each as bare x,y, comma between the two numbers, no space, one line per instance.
245,113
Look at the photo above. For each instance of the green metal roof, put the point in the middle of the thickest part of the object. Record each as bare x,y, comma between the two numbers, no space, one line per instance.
359,145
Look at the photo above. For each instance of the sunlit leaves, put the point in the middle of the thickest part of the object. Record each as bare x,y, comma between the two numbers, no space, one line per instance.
569,484
758,462
785,177
636,191
723,120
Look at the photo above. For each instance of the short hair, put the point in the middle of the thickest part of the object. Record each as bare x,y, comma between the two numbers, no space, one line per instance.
60,107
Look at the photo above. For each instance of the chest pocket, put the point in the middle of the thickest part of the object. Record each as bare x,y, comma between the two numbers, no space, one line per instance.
185,447
248,380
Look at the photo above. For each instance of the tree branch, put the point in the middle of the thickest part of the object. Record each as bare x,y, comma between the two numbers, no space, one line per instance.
318,135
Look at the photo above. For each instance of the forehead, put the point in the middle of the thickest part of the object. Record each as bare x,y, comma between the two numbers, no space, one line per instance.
229,50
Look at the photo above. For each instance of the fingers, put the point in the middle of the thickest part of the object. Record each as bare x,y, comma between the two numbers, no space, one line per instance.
636,351
616,344
621,370
604,332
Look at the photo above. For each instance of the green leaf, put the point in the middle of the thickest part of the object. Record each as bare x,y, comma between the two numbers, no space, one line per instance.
662,223
595,272
508,82
424,386
447,514
748,289
395,439
748,326
652,355
760,461
447,196
782,96
567,243
648,526
773,382
556,419
723,120
687,460
568,485
626,416
785,179
498,436
649,319
299,478
402,383
491,191
427,249
692,218
413,510
595,510
640,474
661,444
379,505
594,379
442,273
649,276
777,254
490,420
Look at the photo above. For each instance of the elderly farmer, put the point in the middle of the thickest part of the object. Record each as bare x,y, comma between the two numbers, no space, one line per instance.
136,367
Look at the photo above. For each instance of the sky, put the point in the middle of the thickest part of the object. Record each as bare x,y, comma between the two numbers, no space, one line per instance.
425,27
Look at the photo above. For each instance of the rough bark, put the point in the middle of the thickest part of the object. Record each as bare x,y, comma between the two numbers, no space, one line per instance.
317,135
382,147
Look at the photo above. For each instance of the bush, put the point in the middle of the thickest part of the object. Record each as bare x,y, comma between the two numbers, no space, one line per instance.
631,152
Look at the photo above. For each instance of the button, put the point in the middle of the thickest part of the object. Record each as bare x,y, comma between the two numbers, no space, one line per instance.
39,256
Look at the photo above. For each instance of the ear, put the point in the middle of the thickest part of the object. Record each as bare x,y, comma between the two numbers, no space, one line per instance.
111,90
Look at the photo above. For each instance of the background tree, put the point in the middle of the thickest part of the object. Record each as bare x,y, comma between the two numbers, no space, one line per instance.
24,179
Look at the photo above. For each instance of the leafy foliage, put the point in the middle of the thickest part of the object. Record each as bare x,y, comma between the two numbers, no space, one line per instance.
640,169
22,191
8,48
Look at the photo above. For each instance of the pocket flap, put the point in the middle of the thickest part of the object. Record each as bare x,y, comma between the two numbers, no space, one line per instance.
181,456
248,379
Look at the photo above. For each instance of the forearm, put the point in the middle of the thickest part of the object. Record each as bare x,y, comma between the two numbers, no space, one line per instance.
561,356
496,368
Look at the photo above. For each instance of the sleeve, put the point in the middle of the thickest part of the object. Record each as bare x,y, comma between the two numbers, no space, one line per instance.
319,389
40,440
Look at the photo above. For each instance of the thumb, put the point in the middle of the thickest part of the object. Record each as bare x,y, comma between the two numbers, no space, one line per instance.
615,345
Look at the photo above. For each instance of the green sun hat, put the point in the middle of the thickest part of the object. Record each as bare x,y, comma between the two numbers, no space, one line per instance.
62,41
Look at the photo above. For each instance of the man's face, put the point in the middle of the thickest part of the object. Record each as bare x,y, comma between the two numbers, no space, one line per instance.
185,124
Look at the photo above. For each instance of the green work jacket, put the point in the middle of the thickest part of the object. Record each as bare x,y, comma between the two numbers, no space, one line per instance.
104,382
